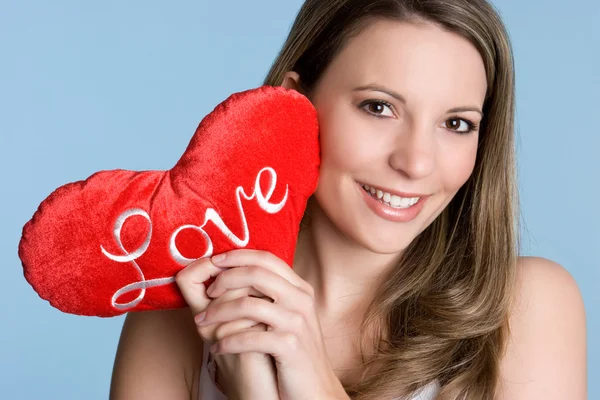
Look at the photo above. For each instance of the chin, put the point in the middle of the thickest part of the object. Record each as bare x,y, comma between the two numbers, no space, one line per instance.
388,243
372,233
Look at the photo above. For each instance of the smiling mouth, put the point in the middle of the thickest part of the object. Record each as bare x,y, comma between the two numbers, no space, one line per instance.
390,200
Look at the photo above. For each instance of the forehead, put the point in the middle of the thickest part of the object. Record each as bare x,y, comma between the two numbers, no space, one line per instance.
419,60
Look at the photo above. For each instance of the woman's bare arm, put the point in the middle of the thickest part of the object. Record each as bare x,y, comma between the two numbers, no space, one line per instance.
158,357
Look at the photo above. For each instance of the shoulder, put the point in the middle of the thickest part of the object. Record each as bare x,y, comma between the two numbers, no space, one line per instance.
542,279
158,356
546,350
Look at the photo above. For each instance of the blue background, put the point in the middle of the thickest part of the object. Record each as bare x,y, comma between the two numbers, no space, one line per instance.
87,86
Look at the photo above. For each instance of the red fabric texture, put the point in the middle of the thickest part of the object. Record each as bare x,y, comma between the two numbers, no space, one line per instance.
268,127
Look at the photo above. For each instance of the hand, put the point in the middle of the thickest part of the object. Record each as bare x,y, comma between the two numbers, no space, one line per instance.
241,376
294,337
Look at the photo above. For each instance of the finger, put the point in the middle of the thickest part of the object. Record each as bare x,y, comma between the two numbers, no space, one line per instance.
190,281
277,344
229,328
263,281
210,333
259,310
218,331
214,332
265,259
249,292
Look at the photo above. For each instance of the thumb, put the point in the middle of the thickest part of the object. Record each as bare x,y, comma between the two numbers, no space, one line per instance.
191,281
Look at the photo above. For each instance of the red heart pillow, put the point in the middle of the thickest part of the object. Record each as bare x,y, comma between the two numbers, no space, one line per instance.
114,242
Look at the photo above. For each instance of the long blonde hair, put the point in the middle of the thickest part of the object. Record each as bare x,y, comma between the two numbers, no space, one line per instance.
443,313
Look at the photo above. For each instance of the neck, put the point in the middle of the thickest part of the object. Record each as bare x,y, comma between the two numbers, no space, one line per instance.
344,274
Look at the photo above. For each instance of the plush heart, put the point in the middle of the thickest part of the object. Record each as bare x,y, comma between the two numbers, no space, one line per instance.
114,242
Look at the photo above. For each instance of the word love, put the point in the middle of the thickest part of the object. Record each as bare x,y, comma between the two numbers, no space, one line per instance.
262,199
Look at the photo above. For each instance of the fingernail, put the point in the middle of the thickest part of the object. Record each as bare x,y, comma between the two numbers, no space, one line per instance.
218,258
200,317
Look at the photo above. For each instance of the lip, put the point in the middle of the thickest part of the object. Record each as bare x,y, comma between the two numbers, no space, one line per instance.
394,214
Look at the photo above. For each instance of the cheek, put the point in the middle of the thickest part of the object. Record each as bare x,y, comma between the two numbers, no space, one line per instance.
346,142
457,163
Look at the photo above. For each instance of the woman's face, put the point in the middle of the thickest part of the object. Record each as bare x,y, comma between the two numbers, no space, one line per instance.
395,111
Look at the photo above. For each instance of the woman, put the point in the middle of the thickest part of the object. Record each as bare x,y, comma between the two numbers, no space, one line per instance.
406,281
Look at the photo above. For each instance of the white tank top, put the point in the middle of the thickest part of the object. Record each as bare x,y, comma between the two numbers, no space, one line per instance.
207,390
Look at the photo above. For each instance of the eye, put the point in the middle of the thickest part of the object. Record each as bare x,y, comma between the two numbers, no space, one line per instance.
377,108
460,125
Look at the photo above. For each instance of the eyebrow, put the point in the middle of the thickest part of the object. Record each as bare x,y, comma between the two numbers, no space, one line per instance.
400,98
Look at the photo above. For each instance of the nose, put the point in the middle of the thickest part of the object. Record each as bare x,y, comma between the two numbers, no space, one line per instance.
414,153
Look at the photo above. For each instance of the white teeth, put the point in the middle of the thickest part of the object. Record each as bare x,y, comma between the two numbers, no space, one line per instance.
402,201
396,201
391,199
